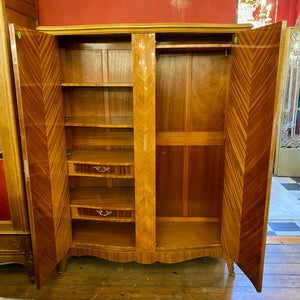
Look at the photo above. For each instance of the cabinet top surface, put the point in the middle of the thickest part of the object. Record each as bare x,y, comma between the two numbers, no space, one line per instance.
145,28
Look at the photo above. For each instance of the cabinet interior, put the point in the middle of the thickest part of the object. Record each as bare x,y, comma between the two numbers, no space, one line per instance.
192,74
97,95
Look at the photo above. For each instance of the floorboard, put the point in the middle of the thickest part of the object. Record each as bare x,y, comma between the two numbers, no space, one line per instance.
205,278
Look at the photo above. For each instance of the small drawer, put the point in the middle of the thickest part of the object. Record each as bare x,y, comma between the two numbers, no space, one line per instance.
101,170
103,214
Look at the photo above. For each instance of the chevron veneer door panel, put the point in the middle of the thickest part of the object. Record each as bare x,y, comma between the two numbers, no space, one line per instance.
143,52
249,127
39,99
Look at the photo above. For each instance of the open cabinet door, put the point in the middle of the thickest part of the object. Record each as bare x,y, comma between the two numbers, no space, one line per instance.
249,149
40,108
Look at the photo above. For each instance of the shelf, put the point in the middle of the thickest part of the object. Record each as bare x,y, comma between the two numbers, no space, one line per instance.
102,157
101,122
200,138
194,46
78,84
103,198
181,233
104,235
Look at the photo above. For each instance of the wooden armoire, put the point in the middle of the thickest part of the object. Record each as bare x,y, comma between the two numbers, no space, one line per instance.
15,243
148,142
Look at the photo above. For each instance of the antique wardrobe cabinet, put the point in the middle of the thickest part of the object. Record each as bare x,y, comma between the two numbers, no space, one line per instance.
15,243
148,142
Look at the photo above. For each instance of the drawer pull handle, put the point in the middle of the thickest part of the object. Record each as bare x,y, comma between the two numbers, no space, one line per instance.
104,213
101,170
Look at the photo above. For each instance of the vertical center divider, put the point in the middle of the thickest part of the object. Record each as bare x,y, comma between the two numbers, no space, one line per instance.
143,53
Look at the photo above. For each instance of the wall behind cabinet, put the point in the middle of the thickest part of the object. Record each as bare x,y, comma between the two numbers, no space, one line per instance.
80,12
76,12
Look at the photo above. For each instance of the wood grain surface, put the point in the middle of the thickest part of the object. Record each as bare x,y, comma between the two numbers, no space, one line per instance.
37,77
250,113
83,137
187,234
143,52
145,28
169,168
92,64
94,101
205,181
104,198
23,13
89,277
197,138
104,235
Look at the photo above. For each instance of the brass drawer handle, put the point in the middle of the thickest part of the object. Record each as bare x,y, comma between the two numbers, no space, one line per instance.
101,170
104,213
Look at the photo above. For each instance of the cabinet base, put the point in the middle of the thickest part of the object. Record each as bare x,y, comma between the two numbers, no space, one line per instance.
175,256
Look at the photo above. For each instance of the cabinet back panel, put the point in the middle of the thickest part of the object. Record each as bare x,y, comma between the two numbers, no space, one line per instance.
169,182
120,102
191,91
189,181
99,137
86,101
119,66
83,101
81,65
116,236
205,181
170,91
208,91
96,63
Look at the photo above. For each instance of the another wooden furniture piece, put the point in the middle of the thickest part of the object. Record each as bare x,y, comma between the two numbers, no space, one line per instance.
15,244
287,153
148,142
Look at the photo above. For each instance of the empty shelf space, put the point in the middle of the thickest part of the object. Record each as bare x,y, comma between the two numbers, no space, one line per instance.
91,137
105,235
107,84
104,157
103,198
194,46
102,122
181,233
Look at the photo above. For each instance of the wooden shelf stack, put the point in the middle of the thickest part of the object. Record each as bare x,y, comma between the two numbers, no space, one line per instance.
100,141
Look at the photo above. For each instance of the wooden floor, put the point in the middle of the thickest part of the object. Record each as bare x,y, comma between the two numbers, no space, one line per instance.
205,278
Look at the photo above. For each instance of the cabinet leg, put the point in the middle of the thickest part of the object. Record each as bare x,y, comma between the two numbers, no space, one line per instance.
29,266
230,267
63,265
